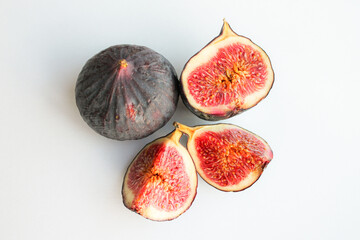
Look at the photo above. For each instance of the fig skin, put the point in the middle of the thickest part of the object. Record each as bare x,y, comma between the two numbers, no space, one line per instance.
127,92
226,32
207,116
129,197
261,150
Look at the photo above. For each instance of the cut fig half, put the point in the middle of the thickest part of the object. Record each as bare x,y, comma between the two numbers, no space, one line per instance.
226,156
160,183
228,76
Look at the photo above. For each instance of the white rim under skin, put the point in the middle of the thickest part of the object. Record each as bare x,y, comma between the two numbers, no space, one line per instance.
154,213
250,179
210,51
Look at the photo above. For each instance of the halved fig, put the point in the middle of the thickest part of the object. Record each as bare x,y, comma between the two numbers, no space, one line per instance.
226,156
228,76
161,182
127,92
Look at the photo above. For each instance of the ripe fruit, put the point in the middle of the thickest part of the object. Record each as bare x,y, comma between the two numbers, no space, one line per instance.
160,183
228,76
226,156
127,92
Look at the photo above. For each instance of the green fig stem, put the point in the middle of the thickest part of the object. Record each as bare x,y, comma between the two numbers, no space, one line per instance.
184,129
175,136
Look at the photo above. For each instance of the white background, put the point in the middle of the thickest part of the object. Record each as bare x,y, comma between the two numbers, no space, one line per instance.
61,180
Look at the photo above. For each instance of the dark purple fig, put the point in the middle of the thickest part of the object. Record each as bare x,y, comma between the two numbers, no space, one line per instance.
228,76
127,92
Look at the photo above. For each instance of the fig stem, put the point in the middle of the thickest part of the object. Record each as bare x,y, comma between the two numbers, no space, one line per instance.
226,31
175,135
184,129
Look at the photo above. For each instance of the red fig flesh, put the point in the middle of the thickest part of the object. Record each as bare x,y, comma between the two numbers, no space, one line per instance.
228,76
161,182
226,156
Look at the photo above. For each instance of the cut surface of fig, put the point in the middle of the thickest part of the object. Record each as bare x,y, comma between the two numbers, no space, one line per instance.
228,76
226,156
127,92
160,184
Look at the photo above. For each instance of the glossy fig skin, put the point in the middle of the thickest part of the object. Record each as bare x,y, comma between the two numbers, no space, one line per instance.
127,92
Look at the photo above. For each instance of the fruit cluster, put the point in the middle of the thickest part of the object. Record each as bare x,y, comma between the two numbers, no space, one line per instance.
128,92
